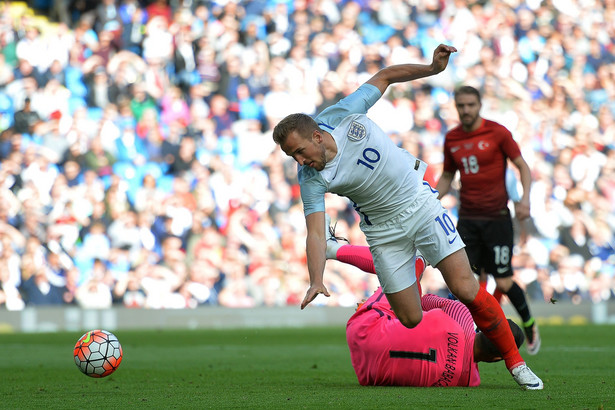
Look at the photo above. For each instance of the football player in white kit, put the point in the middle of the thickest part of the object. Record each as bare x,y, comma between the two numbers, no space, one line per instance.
342,151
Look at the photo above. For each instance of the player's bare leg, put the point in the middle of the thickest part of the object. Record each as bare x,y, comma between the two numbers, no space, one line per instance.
407,305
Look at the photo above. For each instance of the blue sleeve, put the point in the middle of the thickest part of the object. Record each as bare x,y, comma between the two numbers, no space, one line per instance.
356,103
313,189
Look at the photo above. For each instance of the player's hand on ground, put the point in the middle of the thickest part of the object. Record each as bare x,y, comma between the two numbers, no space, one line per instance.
440,57
312,292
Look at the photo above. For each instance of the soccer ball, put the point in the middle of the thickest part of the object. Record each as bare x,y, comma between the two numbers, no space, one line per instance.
98,353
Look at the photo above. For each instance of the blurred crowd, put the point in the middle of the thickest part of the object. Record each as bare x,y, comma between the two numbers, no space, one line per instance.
138,169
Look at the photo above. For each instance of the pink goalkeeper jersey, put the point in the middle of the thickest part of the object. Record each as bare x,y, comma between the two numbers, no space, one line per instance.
436,353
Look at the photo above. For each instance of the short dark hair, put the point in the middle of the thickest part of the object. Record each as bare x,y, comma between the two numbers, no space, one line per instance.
466,89
302,123
491,350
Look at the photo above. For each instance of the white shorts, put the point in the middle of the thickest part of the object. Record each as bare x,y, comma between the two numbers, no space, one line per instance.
427,227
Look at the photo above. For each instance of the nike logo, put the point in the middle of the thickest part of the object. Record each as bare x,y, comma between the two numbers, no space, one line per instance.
452,240
87,339
455,149
502,270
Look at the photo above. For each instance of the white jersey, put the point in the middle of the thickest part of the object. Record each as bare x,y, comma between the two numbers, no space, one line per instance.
381,179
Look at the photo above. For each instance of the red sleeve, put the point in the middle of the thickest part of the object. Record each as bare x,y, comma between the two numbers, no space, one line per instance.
510,148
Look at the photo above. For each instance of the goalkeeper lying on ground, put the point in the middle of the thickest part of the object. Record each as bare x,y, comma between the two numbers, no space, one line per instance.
442,351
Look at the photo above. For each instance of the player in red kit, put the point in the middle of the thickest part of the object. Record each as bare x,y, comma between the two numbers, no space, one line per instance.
480,149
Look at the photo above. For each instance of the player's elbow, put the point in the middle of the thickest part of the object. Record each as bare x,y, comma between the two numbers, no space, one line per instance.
411,319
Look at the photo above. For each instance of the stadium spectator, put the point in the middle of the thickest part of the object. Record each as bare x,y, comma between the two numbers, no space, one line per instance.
94,293
184,158
39,174
8,57
174,108
237,291
96,244
54,141
141,101
304,139
160,8
129,292
24,120
203,285
148,197
10,173
98,159
134,28
31,48
161,286
123,233
107,16
9,293
100,91
130,150
576,236
86,38
37,290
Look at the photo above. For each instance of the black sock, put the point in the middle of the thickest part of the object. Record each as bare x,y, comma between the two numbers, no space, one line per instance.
517,298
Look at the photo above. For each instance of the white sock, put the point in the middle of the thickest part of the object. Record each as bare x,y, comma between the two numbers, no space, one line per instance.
332,247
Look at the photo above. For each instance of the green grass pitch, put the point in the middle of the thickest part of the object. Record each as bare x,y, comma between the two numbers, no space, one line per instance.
286,368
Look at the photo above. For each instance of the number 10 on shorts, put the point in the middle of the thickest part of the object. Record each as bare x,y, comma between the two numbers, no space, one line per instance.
446,223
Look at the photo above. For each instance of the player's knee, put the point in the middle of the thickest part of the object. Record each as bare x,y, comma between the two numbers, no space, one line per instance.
465,291
465,296
411,319
504,284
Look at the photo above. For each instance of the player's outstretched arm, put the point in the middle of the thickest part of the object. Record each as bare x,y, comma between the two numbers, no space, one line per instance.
316,258
408,72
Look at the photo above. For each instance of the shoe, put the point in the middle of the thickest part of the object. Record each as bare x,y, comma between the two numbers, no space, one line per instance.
534,346
526,378
332,241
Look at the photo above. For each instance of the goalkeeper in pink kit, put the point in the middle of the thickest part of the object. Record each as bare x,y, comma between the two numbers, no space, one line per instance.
443,350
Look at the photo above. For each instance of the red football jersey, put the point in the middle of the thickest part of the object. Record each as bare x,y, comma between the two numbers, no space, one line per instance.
481,156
